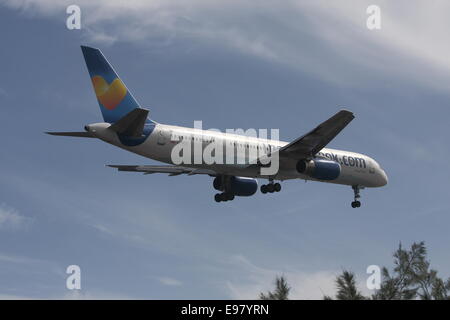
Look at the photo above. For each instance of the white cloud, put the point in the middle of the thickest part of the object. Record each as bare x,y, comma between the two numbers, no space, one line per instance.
327,39
14,297
16,259
11,219
304,285
45,266
152,226
72,295
101,37
92,295
170,281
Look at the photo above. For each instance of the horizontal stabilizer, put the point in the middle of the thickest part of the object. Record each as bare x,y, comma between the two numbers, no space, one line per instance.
132,124
82,134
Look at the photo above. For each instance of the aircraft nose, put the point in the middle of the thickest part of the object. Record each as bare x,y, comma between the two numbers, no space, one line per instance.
384,178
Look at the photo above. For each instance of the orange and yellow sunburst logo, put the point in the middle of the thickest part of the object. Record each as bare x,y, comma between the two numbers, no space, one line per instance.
109,95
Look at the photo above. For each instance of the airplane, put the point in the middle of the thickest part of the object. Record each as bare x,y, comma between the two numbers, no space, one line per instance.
128,126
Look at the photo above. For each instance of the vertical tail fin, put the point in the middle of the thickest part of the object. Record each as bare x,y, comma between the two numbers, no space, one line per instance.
113,96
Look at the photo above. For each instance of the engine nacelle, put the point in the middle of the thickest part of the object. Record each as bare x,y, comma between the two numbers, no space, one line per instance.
319,169
239,186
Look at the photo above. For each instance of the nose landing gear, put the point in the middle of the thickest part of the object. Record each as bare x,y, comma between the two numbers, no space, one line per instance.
356,203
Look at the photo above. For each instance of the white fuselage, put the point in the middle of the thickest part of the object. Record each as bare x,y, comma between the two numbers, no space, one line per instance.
356,169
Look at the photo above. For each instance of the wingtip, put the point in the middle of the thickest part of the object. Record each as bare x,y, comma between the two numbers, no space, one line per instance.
85,48
347,112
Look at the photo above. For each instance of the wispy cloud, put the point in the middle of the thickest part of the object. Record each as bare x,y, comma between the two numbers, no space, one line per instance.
71,295
300,34
92,295
43,268
304,285
14,297
31,262
170,281
16,259
10,218
152,226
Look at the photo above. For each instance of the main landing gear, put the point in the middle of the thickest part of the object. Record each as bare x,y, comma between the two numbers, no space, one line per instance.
224,196
356,203
271,187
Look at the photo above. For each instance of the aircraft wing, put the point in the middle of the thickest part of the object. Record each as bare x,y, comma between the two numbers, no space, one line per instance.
171,170
311,143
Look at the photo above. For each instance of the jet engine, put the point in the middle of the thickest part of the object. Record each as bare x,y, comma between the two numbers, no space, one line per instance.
319,169
238,186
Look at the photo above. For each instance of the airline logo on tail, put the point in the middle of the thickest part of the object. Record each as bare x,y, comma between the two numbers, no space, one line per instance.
109,95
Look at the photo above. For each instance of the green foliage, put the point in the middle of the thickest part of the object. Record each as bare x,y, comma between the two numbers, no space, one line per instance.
281,291
410,278
346,287
440,290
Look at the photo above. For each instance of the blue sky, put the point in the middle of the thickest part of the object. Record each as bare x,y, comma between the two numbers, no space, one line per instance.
230,64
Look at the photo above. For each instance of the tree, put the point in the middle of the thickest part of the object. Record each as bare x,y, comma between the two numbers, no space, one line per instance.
281,291
346,287
400,285
440,290
412,277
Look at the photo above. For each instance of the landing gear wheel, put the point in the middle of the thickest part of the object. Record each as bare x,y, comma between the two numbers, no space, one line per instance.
271,187
219,197
229,196
356,204
277,187
223,197
264,188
